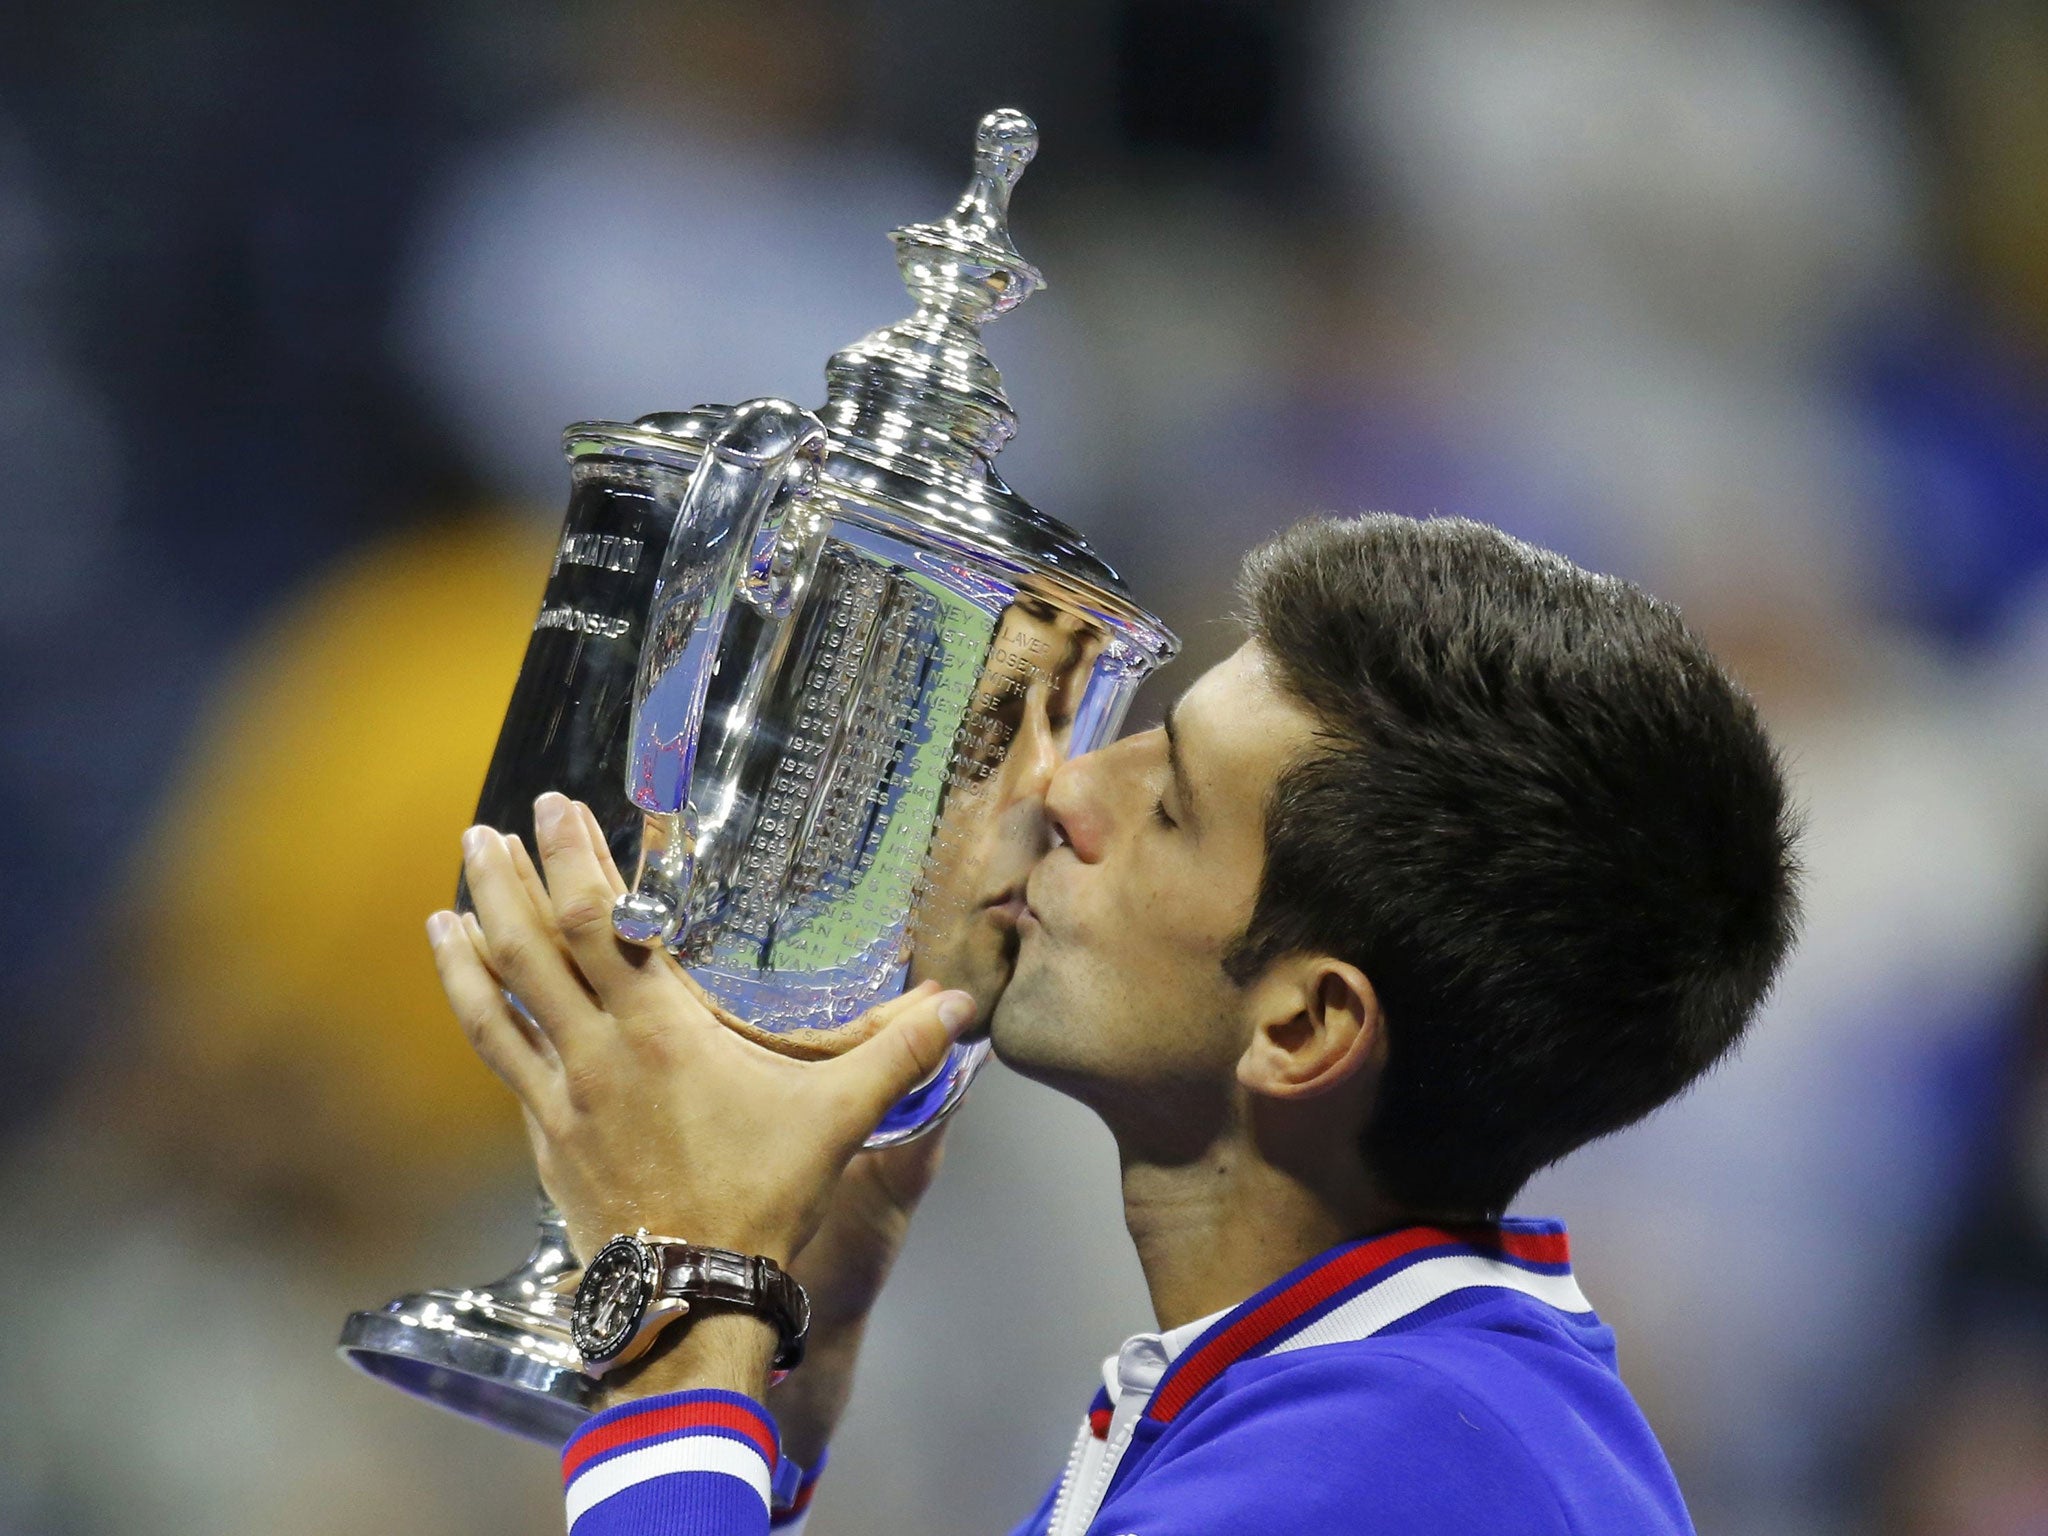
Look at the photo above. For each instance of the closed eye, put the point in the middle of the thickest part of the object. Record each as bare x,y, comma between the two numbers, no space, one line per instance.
1160,815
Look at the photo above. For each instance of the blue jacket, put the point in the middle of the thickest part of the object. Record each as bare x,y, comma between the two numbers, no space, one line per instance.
1421,1380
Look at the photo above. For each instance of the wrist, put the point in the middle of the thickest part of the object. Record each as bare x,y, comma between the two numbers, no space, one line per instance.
638,1291
715,1348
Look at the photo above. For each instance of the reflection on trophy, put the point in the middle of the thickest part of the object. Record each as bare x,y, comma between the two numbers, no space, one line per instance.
813,675
991,828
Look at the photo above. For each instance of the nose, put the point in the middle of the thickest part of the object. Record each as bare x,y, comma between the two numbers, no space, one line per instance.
1073,809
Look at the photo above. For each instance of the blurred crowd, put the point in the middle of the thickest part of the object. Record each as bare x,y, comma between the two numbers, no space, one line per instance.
1743,299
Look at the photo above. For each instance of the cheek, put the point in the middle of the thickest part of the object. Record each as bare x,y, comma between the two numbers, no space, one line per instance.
1151,955
1185,909
1149,925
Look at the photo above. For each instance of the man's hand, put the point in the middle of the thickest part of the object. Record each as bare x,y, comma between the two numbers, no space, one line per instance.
644,1109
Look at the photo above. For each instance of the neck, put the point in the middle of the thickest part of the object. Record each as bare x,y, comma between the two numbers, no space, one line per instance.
1212,1231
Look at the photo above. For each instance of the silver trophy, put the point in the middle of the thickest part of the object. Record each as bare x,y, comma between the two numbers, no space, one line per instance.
813,676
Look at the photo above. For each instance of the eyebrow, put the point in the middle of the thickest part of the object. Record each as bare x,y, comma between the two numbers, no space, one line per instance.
1176,763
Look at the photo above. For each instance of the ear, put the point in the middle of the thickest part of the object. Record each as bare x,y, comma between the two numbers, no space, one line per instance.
1316,1025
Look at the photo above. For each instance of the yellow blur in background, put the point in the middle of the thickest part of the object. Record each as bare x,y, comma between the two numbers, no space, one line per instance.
292,1009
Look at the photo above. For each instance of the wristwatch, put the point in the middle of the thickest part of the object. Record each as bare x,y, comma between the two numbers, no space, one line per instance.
637,1285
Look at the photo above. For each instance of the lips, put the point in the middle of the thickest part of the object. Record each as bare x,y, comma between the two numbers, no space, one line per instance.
1030,907
1010,906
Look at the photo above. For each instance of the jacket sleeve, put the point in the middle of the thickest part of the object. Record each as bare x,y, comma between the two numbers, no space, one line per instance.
683,1464
693,1464
1340,1447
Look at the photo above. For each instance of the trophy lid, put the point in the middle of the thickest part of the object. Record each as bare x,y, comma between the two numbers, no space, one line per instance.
924,387
917,411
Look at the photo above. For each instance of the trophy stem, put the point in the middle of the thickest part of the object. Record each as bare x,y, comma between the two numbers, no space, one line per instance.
551,1259
499,1353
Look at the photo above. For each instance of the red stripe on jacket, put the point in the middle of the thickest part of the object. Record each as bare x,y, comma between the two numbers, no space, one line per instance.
1195,1371
658,1422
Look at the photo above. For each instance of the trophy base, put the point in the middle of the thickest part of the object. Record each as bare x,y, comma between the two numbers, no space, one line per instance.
507,1366
501,1354
497,1353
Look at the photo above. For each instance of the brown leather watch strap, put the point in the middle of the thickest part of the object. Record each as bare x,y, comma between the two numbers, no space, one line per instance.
750,1282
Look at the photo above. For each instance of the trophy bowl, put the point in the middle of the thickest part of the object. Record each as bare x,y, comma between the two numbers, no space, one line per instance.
813,675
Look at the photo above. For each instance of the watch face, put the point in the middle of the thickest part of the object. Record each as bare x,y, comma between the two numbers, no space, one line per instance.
611,1300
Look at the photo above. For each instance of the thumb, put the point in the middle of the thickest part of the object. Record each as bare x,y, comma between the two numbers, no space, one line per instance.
904,1053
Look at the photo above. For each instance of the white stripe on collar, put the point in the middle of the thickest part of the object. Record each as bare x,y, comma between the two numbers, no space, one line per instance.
1386,1302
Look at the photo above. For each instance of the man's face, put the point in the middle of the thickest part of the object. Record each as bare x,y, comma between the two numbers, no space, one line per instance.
1119,996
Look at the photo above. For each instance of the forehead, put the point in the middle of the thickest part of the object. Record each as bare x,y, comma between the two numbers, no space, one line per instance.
1237,728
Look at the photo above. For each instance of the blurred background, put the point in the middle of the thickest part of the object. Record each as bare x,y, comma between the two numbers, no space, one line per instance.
1744,299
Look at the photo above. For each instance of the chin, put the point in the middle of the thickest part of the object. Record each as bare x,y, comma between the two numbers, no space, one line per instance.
1034,1032
1017,1028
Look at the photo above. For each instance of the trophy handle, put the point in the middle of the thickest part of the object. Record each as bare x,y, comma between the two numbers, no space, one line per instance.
744,530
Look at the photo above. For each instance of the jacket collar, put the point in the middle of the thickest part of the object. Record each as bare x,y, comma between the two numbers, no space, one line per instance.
1360,1288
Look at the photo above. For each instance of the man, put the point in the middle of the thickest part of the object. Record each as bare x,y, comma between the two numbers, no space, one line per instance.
1465,858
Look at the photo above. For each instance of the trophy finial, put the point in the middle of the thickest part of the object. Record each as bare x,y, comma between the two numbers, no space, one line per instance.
1004,143
967,265
928,377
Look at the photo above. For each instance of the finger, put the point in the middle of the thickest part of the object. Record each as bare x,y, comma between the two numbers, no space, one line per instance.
482,948
522,944
481,945
529,874
494,1031
604,848
601,846
913,1046
820,1044
882,1015
628,979
594,830
537,893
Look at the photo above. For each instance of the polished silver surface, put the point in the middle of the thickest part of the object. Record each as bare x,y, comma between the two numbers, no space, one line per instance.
853,658
745,533
918,412
499,1353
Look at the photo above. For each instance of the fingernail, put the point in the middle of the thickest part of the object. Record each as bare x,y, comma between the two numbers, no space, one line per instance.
473,841
956,1011
547,812
440,926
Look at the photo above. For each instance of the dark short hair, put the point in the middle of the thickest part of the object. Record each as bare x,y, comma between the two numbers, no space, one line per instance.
1540,818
